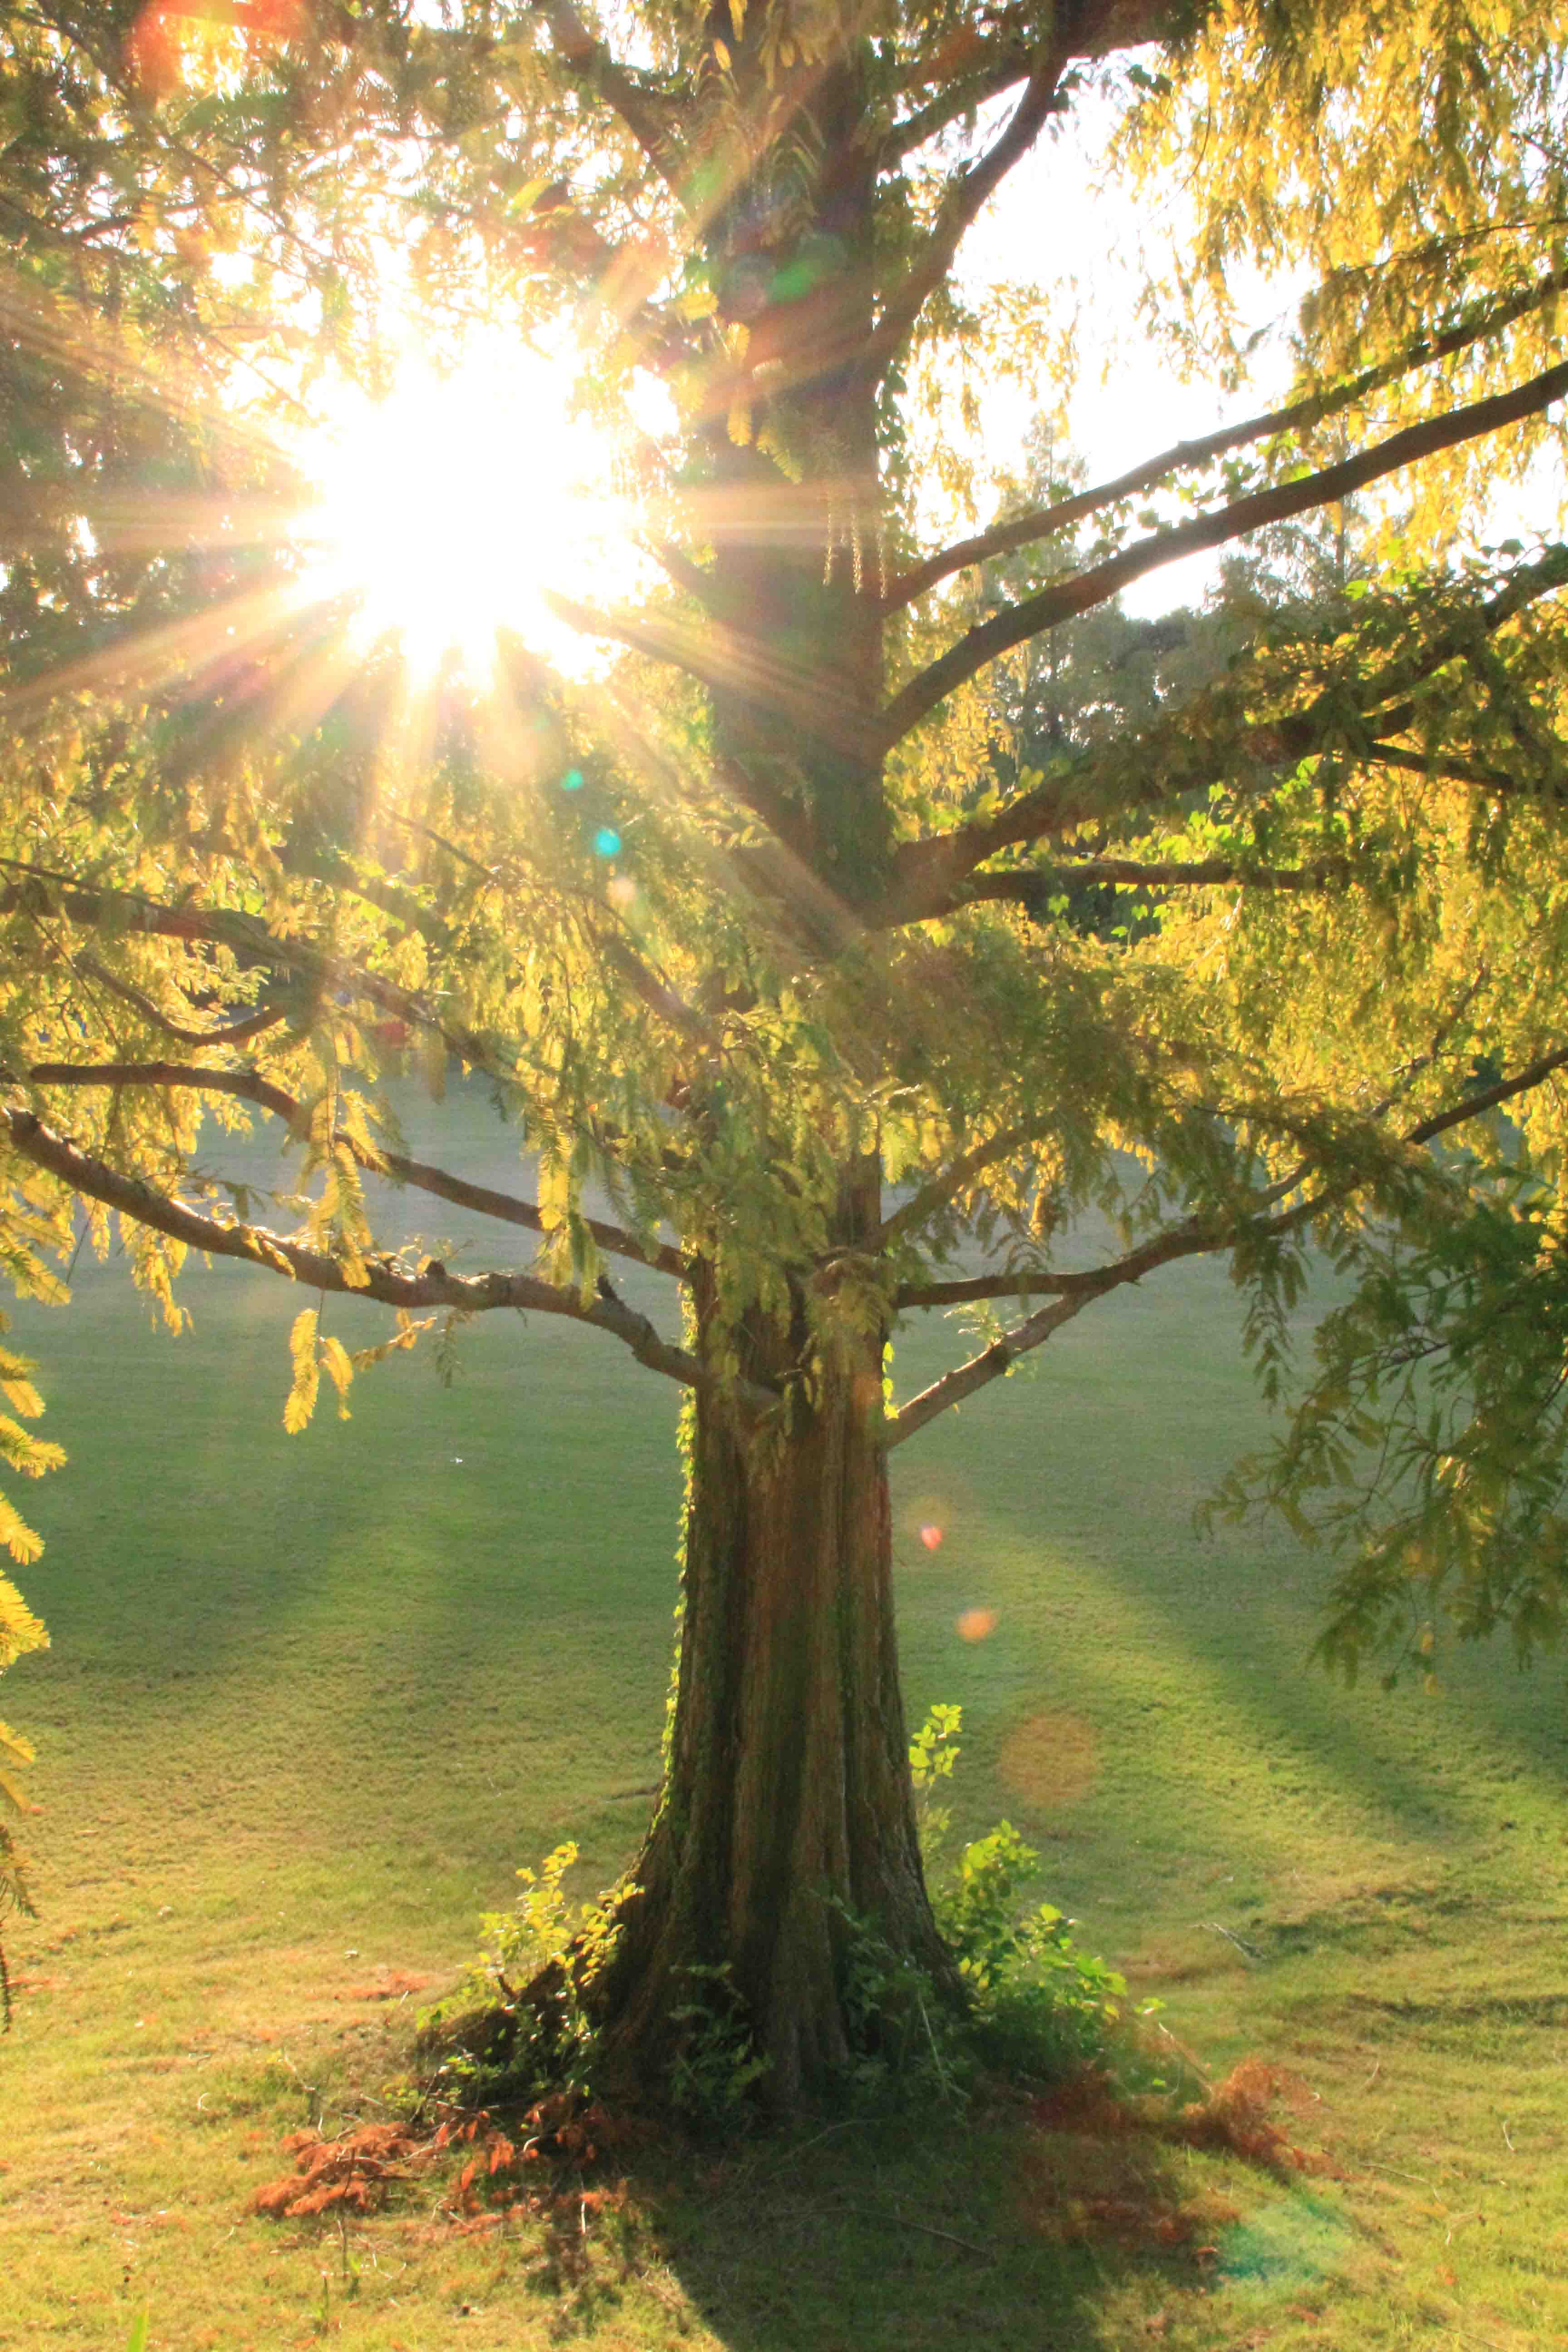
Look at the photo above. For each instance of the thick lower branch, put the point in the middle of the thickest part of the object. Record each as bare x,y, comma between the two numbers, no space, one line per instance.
383,1280
248,1085
1195,1238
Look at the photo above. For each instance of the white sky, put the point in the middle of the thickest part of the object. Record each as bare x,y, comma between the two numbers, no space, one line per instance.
1124,406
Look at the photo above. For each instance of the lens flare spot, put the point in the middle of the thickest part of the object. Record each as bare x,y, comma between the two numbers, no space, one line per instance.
930,1536
571,781
974,1624
943,1507
1050,1759
621,891
606,841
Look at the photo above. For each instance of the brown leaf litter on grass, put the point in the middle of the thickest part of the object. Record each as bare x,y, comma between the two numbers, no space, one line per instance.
357,2170
1235,2119
1093,2172
388,1984
1232,2118
360,2169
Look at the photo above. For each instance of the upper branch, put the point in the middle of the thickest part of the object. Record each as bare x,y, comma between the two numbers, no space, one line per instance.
92,1179
238,1033
649,119
1031,887
1191,748
1081,591
229,927
961,208
1184,456
1485,1099
996,69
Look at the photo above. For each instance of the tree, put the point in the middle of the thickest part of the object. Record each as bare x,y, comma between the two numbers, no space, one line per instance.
767,930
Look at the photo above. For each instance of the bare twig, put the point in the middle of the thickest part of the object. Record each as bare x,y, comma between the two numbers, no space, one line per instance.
1251,1957
926,2229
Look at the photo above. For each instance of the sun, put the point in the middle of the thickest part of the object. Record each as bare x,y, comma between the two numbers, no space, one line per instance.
450,509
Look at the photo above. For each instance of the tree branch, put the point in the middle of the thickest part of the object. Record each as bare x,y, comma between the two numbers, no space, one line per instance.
1032,886
248,1085
1446,770
227,927
1182,754
942,1188
991,76
650,119
1195,1237
239,1033
680,567
960,208
1485,1099
1083,590
94,1180
971,1289
1184,456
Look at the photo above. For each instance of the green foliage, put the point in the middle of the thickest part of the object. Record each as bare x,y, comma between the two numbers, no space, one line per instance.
519,2025
832,933
20,1630
523,2021
717,2066
1033,2003
1431,1443
1042,2006
1336,782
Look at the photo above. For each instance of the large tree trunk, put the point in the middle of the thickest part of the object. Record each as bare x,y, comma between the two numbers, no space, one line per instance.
787,1813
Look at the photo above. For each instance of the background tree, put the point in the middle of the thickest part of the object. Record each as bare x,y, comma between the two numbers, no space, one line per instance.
730,929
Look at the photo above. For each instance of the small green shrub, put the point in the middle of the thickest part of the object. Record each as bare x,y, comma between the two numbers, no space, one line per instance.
1038,2005
717,2064
518,2024
1028,2001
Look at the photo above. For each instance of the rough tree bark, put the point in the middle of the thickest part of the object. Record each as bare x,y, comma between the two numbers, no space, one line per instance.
787,1813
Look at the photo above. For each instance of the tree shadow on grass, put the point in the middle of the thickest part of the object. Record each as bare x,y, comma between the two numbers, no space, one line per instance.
898,2234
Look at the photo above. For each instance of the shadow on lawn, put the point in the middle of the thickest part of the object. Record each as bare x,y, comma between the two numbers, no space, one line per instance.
1000,2231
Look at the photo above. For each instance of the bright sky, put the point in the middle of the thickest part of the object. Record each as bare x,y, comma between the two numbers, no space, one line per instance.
456,504
1050,222
531,491
1121,411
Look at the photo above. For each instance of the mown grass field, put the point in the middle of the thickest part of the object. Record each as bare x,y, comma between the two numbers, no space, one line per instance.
311,1700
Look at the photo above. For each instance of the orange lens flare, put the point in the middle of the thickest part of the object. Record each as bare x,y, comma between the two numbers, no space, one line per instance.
974,1625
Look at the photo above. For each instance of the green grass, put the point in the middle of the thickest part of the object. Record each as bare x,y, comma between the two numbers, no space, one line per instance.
311,1700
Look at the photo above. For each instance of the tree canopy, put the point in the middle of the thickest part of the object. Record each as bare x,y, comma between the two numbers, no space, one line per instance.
767,926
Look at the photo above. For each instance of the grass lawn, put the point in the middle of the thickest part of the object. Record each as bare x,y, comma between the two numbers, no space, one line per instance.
311,1700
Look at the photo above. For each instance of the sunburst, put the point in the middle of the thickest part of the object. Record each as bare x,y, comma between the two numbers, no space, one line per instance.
450,511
